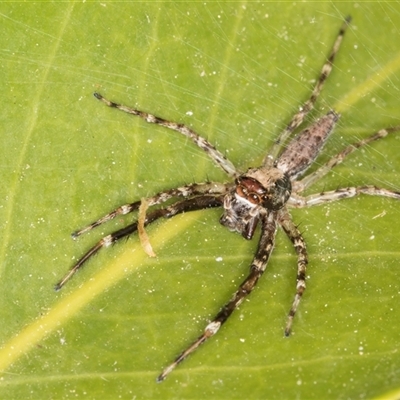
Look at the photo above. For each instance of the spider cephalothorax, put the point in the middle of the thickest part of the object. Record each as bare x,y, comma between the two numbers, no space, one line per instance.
258,191
263,194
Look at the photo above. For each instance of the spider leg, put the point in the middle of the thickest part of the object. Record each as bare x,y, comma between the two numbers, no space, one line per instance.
309,104
143,236
204,144
308,180
258,266
183,191
122,210
291,230
193,204
339,194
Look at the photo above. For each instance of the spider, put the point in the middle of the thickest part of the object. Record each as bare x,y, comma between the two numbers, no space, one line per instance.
260,196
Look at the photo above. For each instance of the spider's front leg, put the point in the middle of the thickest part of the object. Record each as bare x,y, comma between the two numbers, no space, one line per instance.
258,266
193,189
200,202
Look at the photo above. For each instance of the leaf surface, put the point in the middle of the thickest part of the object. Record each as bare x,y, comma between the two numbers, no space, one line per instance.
235,72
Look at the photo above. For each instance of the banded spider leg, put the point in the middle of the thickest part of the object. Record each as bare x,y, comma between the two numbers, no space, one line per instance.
261,196
298,118
206,195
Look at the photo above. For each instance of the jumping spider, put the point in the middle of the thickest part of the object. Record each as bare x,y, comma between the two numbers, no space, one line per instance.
260,195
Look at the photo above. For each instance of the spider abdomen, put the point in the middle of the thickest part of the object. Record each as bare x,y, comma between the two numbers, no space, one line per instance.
305,147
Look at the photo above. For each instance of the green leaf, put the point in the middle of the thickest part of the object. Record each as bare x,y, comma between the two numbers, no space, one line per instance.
235,72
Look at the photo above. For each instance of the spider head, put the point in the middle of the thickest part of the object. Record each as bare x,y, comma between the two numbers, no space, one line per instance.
259,190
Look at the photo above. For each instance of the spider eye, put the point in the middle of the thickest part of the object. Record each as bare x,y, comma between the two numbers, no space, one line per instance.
273,195
246,188
254,198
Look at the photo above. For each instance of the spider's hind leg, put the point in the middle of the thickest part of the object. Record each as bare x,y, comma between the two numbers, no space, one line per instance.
308,180
298,118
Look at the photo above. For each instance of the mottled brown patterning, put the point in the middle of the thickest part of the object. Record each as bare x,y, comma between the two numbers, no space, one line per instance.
260,196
